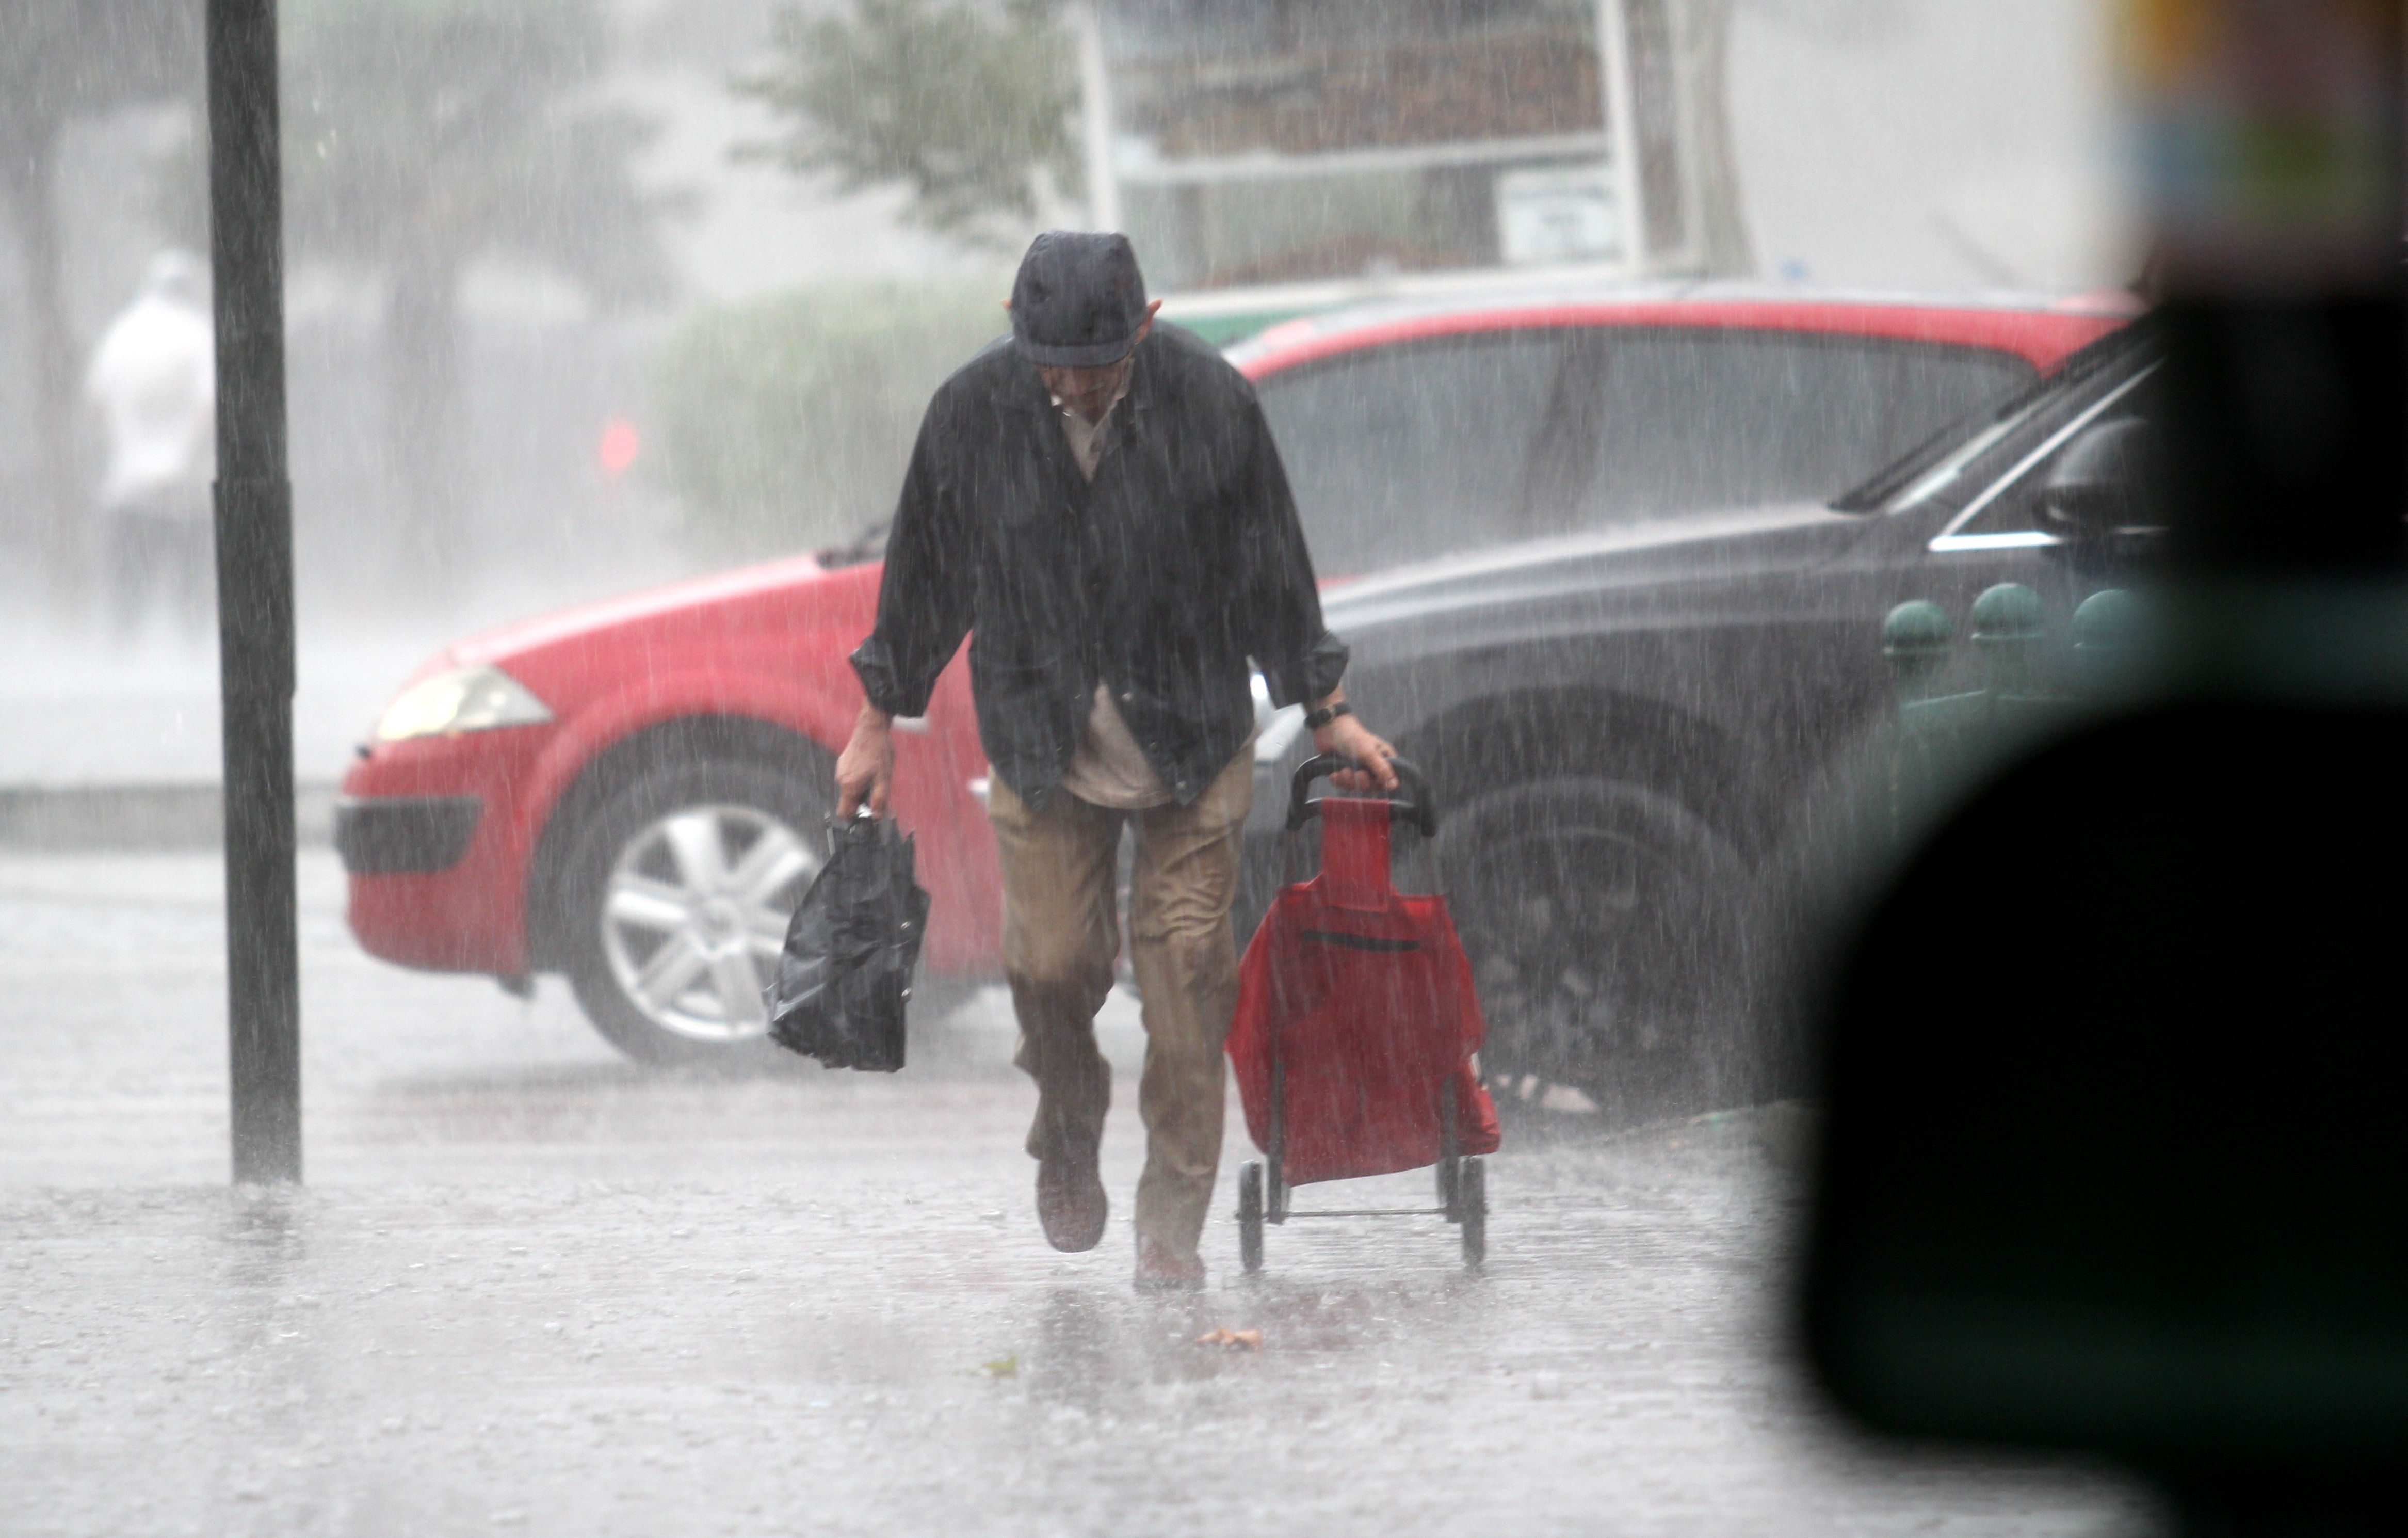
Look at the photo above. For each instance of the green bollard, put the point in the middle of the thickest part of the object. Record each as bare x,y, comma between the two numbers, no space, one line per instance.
2008,627
2106,639
1915,638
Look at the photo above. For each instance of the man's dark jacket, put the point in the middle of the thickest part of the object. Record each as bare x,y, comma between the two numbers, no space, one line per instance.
1181,560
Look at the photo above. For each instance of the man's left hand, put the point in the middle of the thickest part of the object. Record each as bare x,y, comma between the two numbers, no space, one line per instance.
1349,737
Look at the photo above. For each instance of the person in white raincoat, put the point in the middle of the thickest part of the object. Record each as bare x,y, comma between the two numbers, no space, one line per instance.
153,379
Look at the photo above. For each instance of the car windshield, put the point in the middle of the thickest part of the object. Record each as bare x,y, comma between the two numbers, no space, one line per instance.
1427,447
1939,462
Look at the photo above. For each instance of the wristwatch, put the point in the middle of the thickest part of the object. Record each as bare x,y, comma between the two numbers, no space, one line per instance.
1315,720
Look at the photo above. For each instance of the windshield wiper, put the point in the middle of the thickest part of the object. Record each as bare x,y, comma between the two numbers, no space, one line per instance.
872,546
1873,494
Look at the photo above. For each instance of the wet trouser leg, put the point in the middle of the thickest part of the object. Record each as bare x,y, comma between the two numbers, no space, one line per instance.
1186,965
1061,935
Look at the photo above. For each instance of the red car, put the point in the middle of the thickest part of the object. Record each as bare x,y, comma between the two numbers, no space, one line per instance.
632,792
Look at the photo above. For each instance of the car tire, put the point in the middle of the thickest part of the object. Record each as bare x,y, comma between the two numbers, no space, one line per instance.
1605,927
674,901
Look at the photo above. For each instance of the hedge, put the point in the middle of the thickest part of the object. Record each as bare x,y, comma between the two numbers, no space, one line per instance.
785,423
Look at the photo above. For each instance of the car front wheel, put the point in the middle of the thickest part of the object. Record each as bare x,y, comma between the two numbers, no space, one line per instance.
1602,922
676,899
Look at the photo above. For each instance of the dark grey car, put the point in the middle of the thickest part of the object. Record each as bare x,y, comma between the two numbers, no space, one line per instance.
1624,725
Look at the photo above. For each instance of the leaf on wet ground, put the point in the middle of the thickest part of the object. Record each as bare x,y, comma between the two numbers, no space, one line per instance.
1234,1340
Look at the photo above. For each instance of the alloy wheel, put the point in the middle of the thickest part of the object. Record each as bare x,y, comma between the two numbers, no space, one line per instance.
1593,915
1554,945
694,916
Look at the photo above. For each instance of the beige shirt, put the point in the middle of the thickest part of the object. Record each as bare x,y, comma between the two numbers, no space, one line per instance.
1109,769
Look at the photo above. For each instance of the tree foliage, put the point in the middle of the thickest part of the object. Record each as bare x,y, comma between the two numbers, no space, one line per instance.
973,108
64,60
421,136
785,423
445,130
69,61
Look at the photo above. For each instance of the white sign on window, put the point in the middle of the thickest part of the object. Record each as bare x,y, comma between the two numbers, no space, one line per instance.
1558,213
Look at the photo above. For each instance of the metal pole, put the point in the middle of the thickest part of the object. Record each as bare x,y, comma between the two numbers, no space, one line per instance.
1614,83
1095,120
254,548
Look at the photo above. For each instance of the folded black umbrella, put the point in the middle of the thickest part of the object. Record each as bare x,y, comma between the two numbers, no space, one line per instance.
851,948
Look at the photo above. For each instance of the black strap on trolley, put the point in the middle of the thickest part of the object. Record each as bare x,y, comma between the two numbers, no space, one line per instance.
1411,803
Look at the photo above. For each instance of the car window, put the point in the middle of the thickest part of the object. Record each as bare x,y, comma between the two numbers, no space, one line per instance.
1424,449
2011,505
1400,453
1676,423
1939,465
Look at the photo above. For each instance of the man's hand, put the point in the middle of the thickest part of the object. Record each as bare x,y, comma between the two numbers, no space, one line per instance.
1349,737
866,770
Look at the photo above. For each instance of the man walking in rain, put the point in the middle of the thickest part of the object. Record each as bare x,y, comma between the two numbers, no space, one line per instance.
1099,505
155,379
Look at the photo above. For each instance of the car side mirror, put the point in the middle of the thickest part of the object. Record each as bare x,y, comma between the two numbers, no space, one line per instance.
2105,482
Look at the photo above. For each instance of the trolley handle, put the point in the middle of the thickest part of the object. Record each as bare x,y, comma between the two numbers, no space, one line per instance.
1410,802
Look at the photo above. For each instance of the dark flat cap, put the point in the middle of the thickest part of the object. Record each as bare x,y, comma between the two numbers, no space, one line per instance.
1078,301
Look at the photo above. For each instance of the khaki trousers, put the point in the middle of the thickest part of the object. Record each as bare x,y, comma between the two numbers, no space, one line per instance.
1061,935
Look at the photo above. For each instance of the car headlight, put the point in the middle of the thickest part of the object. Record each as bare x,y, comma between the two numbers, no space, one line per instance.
465,700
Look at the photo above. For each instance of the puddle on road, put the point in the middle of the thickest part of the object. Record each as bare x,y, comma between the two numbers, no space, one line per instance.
883,1344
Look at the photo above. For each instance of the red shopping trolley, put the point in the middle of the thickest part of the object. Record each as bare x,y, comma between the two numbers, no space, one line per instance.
1356,1024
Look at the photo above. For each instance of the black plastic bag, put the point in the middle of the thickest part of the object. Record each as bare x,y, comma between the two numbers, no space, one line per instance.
851,947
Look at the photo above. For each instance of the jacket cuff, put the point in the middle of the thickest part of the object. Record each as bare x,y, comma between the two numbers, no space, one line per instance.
1298,681
883,684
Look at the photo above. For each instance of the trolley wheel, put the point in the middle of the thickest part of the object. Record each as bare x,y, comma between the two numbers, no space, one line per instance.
1250,1215
1448,1184
1471,1194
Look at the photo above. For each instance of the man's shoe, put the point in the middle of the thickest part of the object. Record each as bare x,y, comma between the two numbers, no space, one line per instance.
1159,1270
1071,1203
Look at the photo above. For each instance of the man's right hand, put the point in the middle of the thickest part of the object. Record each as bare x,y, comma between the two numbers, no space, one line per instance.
865,768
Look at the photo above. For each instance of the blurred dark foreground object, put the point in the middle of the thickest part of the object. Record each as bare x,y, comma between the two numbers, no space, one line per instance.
2141,1185
2115,1062
2115,1067
846,974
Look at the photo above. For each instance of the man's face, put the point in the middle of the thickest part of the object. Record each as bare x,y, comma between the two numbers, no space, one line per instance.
1088,391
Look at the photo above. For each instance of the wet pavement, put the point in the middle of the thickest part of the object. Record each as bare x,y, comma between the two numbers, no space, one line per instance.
531,1288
